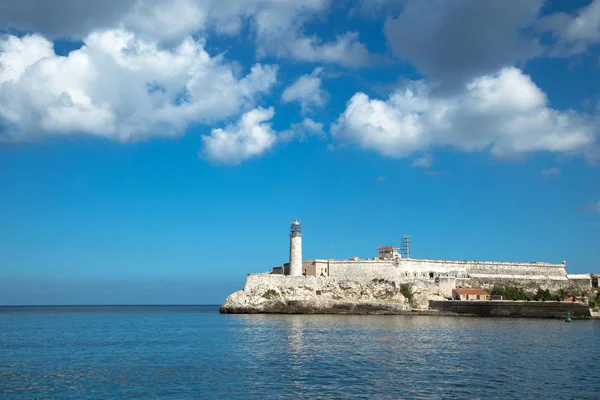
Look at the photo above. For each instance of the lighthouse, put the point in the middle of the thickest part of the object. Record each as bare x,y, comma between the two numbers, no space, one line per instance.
296,248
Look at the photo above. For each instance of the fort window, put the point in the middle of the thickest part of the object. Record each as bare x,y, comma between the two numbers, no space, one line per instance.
431,275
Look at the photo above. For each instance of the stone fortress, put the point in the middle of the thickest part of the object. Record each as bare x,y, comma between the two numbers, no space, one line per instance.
378,284
390,265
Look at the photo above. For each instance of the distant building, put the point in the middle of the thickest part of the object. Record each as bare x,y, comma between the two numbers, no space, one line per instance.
278,270
391,265
470,294
388,253
315,268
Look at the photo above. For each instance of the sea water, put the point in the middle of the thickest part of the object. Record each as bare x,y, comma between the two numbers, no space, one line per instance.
194,352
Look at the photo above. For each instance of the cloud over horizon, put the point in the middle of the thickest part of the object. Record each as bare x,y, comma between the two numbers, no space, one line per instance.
504,113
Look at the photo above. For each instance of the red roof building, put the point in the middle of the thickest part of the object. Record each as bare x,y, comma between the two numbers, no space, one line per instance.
470,294
388,252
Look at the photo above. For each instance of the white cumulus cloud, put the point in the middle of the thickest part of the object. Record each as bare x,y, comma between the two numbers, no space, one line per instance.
249,137
307,91
167,19
118,85
345,50
425,161
505,113
303,130
573,33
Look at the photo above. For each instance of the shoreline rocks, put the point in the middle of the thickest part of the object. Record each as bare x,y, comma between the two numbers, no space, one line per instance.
265,293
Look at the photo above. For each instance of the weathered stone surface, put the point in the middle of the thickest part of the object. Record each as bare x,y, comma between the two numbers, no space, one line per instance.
264,293
527,309
422,268
528,285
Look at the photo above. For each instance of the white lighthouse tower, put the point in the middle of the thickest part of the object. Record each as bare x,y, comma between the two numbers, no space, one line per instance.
296,248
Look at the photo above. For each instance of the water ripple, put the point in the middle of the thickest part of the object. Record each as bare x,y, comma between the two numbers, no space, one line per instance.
198,353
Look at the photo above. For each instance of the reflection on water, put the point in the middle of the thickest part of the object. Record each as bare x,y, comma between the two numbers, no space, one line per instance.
198,353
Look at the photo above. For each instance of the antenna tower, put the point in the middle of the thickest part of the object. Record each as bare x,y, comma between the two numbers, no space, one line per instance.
405,247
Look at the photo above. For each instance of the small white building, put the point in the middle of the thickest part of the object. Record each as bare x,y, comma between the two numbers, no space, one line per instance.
388,253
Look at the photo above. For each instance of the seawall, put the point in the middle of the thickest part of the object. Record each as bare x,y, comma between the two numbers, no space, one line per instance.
527,309
382,289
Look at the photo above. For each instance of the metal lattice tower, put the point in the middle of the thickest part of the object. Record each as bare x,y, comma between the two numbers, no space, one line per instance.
405,248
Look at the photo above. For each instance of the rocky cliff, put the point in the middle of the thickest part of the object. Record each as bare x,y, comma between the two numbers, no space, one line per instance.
265,293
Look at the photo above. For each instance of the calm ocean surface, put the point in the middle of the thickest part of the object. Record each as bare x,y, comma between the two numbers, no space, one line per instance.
194,352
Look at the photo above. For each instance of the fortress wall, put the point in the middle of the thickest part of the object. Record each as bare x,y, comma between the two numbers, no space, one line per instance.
530,284
584,277
254,281
580,280
356,272
394,270
364,269
422,268
488,267
536,269
470,274
264,282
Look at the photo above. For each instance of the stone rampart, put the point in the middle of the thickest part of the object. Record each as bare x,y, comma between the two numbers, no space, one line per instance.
254,281
581,279
528,309
484,267
272,293
373,294
423,268
483,273
363,269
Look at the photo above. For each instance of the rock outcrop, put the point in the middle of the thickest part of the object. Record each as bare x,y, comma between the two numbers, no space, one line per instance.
265,293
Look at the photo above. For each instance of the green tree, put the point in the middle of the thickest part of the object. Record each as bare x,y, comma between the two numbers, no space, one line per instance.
542,295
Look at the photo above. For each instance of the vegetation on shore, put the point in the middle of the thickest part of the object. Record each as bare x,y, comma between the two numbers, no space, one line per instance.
270,294
518,293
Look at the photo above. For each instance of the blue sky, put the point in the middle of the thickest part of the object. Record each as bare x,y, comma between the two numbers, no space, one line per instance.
156,152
